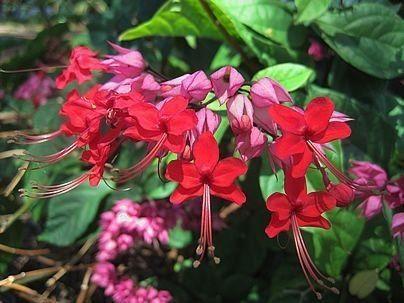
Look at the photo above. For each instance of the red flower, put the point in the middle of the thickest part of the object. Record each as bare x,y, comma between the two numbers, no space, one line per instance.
163,126
82,62
297,209
204,177
302,131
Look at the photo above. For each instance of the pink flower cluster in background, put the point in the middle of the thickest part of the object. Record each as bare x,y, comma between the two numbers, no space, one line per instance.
390,191
37,89
128,223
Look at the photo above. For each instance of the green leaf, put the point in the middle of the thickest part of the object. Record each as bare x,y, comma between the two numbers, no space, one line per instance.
332,247
291,76
309,10
370,37
363,283
225,56
176,18
179,238
46,118
70,215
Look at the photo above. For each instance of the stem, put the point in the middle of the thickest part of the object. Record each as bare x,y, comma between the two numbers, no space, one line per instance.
233,42
24,252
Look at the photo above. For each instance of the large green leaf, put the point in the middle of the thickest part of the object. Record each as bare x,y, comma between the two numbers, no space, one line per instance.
308,10
291,76
363,283
370,37
70,215
176,18
333,247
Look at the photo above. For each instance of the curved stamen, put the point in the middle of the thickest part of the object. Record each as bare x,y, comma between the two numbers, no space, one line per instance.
336,172
53,157
48,191
124,175
310,270
28,70
34,139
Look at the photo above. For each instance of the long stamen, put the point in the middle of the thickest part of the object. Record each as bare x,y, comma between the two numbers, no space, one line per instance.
48,191
336,172
53,157
205,241
307,264
34,139
124,175
34,69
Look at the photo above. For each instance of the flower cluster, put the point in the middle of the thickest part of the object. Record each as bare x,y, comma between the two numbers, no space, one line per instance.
126,224
174,116
389,191
37,89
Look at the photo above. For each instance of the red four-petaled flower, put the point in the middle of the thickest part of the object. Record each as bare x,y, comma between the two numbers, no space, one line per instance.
302,131
204,177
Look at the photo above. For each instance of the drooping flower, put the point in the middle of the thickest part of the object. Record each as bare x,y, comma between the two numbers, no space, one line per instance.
395,192
196,87
302,133
207,121
342,193
82,62
206,176
316,50
398,225
266,92
127,63
165,125
37,89
297,209
226,81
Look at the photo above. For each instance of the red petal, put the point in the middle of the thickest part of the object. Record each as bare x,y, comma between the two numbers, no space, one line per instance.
317,203
295,188
175,144
183,121
138,133
231,193
227,171
146,115
288,119
173,106
317,114
313,222
276,226
184,173
182,194
334,131
279,203
288,145
301,163
206,153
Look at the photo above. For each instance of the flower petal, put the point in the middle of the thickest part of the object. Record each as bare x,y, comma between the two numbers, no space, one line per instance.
232,193
301,163
288,145
182,194
146,115
181,122
288,119
334,131
206,153
173,106
227,171
184,173
317,114
276,226
313,222
279,203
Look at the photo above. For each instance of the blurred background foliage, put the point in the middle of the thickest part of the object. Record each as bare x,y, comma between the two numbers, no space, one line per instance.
360,72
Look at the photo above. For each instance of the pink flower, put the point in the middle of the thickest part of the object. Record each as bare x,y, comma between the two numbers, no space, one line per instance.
240,113
371,206
226,81
207,121
172,87
316,50
196,86
368,173
395,193
37,88
128,63
398,225
267,92
104,274
251,144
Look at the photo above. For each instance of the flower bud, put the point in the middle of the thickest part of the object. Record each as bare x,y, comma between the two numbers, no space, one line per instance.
226,81
196,87
342,193
240,113
266,92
